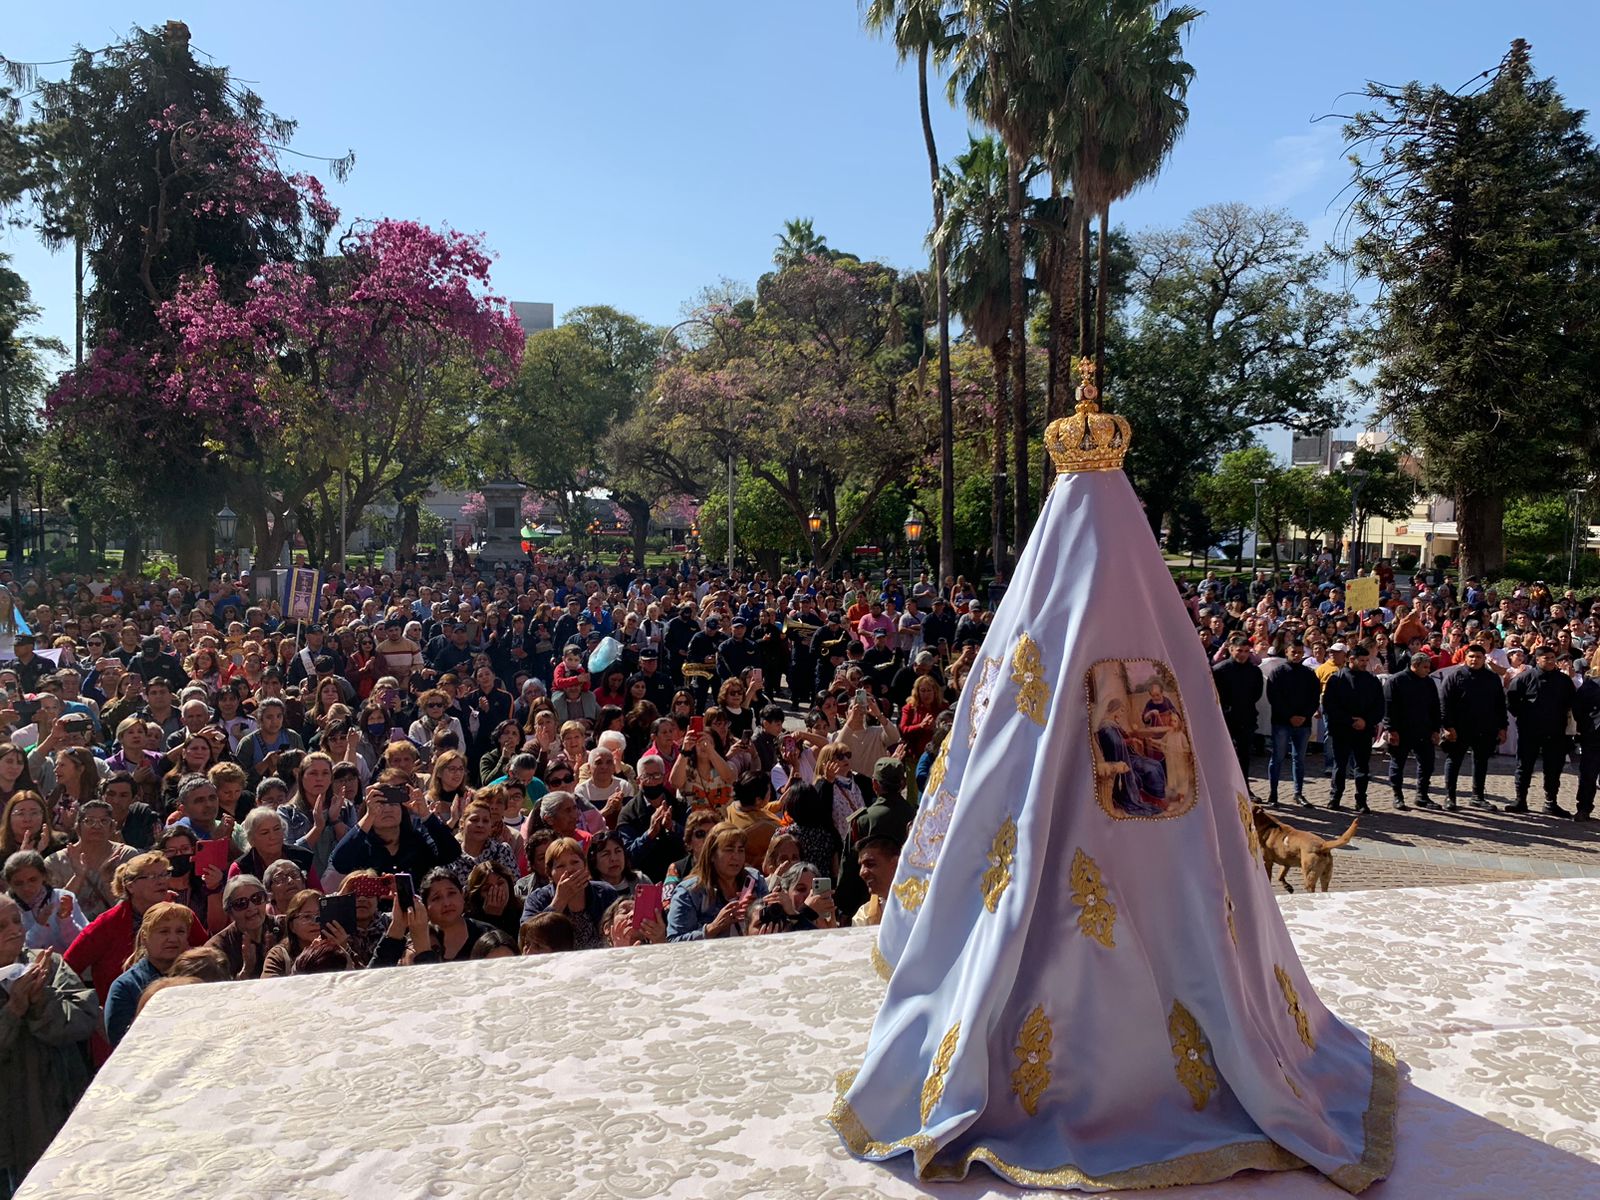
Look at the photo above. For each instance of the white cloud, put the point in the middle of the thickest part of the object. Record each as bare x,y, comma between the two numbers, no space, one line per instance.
1301,161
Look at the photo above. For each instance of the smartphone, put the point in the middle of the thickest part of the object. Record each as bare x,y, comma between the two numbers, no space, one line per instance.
756,679
788,745
404,891
647,903
749,891
697,724
397,735
863,696
341,909
821,886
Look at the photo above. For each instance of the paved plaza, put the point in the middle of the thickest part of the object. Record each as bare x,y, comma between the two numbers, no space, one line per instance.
1423,848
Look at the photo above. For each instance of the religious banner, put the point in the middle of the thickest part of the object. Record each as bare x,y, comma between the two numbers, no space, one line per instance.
1361,594
300,594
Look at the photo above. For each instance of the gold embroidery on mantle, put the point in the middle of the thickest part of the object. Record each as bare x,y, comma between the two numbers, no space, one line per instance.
1302,1024
1032,1075
1001,856
1252,841
1027,672
933,1086
1096,915
911,892
941,762
880,964
1192,1055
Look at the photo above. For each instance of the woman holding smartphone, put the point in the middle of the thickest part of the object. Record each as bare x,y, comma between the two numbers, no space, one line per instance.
715,901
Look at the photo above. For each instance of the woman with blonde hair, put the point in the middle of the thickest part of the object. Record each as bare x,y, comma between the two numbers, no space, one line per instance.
162,936
715,900
447,791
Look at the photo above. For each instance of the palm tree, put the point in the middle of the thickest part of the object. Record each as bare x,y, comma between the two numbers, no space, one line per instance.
974,237
999,58
798,242
1124,110
921,27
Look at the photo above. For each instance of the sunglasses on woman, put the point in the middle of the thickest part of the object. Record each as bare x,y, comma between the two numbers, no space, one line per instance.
240,903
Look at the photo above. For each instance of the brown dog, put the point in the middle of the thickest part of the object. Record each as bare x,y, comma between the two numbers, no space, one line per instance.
1283,845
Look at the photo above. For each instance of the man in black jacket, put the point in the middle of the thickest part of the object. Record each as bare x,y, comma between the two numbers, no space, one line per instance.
1293,691
1239,686
1414,719
1541,701
1586,714
1474,722
1353,703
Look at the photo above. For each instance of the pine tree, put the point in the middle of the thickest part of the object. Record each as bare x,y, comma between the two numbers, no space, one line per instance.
1479,211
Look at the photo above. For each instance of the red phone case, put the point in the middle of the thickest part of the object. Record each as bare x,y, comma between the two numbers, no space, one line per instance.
647,899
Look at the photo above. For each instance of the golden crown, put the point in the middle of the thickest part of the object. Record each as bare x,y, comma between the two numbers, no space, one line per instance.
1088,440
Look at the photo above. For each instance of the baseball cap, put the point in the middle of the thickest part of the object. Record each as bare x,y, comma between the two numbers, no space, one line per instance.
1338,648
889,774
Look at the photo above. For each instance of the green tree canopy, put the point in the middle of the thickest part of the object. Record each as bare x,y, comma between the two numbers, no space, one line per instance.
1479,217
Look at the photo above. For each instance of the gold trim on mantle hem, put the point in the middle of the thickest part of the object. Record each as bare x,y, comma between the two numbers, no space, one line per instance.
1377,1158
880,964
1206,1166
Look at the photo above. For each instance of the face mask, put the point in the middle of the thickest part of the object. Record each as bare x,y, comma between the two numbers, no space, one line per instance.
654,791
376,731
181,863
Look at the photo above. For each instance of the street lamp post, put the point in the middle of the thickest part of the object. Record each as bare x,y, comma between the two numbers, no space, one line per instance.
1255,530
814,524
1578,524
227,528
913,528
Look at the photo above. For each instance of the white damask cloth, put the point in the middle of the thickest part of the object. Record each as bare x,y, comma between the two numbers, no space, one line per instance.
500,1081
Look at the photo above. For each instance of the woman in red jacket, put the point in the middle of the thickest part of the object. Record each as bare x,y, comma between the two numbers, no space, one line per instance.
919,714
99,952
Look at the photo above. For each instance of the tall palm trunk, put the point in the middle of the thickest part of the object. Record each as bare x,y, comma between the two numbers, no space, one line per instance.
1064,308
1100,300
947,412
1018,351
1000,354
1084,327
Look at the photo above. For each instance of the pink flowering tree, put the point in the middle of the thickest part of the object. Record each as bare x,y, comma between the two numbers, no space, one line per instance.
327,367
811,388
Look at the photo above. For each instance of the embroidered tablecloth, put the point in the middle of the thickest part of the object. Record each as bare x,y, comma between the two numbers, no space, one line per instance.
707,1069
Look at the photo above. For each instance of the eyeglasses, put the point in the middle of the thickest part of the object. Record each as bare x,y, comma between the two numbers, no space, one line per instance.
95,822
435,705
698,834
154,878
240,903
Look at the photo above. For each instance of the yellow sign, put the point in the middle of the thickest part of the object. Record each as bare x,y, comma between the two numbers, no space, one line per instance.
1361,594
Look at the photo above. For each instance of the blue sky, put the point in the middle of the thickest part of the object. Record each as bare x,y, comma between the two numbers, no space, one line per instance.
633,152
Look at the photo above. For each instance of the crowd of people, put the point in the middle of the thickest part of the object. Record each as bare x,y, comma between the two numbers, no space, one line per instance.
452,763
447,764
1434,669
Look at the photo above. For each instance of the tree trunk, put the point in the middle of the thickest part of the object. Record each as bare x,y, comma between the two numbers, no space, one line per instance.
1064,308
947,415
85,545
410,530
1019,355
1084,289
1480,518
1100,302
997,515
191,542
132,550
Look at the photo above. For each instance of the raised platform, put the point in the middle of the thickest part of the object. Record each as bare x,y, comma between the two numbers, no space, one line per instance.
706,1070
